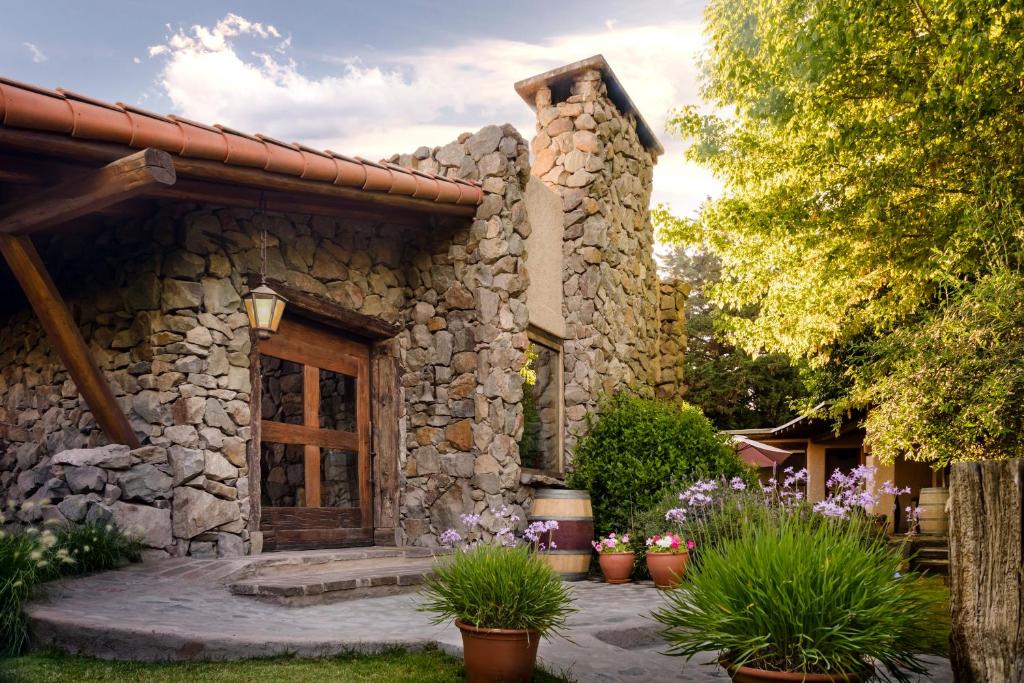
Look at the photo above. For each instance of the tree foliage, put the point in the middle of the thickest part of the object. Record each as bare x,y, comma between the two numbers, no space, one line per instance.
873,155
735,389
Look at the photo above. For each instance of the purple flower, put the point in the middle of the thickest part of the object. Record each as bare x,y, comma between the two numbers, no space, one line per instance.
737,484
470,520
449,537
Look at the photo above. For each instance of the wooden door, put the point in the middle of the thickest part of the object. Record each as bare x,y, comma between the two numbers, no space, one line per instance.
314,439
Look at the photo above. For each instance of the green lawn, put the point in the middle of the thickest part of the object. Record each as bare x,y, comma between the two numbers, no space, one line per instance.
429,666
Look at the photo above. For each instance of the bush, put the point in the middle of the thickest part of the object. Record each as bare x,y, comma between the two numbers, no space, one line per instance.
796,591
638,449
492,586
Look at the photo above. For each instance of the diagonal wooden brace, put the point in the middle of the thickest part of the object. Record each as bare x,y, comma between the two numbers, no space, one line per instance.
66,201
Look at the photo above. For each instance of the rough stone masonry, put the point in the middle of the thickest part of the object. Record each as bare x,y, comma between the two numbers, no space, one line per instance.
158,300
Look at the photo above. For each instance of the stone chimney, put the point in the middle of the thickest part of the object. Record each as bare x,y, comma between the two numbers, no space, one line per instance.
595,151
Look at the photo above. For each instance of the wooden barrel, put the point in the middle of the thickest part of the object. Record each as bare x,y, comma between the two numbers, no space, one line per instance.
934,520
575,517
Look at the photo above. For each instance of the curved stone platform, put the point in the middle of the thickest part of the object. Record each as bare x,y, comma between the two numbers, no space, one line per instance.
179,610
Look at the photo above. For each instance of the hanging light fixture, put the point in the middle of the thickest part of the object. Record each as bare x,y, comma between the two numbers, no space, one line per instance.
263,305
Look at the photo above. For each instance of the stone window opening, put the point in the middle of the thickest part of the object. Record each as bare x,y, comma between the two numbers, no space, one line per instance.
541,447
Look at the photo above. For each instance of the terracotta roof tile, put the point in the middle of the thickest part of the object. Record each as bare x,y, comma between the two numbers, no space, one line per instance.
62,111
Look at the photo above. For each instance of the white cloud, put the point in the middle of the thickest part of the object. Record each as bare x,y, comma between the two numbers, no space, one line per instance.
37,55
422,97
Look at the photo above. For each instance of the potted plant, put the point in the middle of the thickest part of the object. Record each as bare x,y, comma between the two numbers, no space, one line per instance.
615,556
798,596
666,559
502,596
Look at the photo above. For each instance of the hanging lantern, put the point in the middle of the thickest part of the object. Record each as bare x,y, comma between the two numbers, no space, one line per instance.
263,305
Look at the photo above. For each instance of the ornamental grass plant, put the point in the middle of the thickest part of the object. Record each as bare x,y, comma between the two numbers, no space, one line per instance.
498,586
30,556
797,591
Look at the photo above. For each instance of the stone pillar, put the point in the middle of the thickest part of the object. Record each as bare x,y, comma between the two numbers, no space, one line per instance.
672,339
588,150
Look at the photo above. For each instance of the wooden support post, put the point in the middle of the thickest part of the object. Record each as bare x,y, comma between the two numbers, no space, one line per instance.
60,328
385,381
91,192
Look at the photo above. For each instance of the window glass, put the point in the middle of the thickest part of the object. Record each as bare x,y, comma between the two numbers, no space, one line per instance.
542,408
281,398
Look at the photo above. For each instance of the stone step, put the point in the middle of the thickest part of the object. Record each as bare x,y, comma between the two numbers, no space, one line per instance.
930,541
303,585
932,566
933,553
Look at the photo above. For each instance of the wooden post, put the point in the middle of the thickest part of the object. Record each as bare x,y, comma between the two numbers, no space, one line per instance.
62,332
386,386
986,556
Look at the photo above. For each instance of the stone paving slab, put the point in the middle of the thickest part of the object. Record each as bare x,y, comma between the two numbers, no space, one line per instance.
181,610
344,580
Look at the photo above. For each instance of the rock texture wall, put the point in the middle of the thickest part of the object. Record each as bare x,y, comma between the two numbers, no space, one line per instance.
468,344
588,151
672,338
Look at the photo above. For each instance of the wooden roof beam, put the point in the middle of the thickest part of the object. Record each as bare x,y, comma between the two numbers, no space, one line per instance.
93,191
53,313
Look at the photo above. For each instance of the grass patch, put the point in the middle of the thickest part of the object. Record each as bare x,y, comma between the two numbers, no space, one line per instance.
427,666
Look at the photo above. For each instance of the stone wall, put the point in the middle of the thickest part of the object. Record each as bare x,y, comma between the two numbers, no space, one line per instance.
672,339
465,403
588,152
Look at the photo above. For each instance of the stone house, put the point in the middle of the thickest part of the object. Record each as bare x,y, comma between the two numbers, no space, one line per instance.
453,314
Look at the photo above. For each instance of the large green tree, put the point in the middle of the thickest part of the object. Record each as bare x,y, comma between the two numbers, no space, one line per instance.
734,388
873,158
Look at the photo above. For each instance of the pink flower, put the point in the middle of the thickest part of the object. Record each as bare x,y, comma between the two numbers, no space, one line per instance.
690,544
598,547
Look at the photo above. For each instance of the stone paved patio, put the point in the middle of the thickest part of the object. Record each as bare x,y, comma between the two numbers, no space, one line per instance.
181,609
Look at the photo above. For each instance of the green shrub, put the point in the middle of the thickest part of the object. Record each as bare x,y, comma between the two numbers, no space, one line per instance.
796,591
638,449
493,586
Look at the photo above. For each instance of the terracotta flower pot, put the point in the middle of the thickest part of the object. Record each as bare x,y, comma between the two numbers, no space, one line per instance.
748,674
616,566
498,654
667,568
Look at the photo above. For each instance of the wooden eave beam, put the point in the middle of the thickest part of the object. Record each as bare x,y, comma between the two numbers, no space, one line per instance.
92,191
323,310
53,313
223,194
49,144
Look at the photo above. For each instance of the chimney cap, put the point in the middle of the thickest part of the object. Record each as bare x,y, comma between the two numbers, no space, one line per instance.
560,81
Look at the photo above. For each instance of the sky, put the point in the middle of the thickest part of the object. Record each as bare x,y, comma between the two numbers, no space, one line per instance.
362,78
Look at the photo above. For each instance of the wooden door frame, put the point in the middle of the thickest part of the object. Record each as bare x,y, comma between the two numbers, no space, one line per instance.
385,404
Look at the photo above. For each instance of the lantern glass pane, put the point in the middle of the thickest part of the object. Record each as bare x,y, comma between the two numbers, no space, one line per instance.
278,312
264,311
249,311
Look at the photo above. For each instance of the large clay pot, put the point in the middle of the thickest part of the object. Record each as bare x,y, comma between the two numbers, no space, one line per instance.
748,674
933,520
498,654
575,516
616,567
667,569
